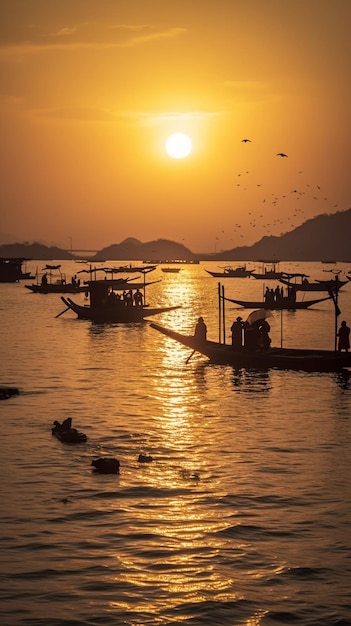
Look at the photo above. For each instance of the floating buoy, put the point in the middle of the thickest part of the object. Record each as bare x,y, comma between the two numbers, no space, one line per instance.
106,465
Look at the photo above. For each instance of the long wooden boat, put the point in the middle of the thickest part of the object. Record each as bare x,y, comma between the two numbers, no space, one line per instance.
232,272
279,358
320,285
283,304
52,280
106,305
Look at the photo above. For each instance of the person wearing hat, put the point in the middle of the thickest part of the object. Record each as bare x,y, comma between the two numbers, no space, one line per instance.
237,333
201,330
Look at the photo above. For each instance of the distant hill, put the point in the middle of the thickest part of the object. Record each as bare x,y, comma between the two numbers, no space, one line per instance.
34,251
322,238
129,249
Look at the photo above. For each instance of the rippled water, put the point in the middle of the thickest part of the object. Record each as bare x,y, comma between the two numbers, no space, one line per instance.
243,516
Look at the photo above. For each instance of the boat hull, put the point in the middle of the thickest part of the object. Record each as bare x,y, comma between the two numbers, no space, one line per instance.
267,275
318,286
278,358
115,314
45,289
238,273
286,304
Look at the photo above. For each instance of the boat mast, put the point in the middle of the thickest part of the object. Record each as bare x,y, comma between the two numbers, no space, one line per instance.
219,313
334,294
337,312
223,313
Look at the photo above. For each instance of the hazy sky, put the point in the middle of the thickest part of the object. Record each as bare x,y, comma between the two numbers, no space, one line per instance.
91,89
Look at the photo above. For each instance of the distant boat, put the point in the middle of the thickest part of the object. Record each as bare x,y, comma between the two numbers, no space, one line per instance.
270,271
232,272
178,261
11,270
319,285
170,270
286,303
129,269
56,288
52,280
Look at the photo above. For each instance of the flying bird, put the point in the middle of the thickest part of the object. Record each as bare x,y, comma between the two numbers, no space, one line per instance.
246,141
281,154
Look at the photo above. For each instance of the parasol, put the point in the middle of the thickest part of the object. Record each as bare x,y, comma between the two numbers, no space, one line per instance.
259,314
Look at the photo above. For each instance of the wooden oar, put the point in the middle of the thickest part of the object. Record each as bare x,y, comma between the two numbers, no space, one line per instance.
62,312
189,357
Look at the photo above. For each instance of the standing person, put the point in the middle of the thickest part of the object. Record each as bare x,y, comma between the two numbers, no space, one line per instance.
344,337
237,333
138,298
264,338
200,330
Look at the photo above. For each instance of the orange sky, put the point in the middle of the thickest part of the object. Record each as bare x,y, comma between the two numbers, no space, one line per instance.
91,89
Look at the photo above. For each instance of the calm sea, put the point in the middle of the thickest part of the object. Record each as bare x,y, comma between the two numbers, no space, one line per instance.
243,516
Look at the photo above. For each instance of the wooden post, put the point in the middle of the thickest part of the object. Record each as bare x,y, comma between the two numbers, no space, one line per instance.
336,312
334,296
144,288
223,313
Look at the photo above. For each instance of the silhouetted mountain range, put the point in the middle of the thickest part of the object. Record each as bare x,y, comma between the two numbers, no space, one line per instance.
325,237
322,238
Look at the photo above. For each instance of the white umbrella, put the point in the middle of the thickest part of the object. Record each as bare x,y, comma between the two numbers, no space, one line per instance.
259,314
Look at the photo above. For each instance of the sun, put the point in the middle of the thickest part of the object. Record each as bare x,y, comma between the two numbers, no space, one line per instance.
178,145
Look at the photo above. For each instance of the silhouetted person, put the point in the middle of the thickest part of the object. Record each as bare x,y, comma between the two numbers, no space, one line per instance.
44,279
138,298
344,337
200,330
264,338
237,333
251,336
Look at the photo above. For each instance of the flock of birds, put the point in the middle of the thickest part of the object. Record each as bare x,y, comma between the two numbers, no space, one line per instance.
290,215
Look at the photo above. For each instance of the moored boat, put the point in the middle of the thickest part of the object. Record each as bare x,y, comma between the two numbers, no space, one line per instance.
319,285
11,270
288,303
56,288
52,280
270,271
170,270
232,272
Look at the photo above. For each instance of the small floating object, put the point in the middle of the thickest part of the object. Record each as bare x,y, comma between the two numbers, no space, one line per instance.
144,458
188,475
66,433
106,465
7,392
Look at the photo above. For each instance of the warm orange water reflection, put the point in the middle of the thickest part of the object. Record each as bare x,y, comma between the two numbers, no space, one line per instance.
243,513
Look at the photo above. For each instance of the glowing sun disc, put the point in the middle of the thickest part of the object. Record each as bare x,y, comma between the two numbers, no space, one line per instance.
178,145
